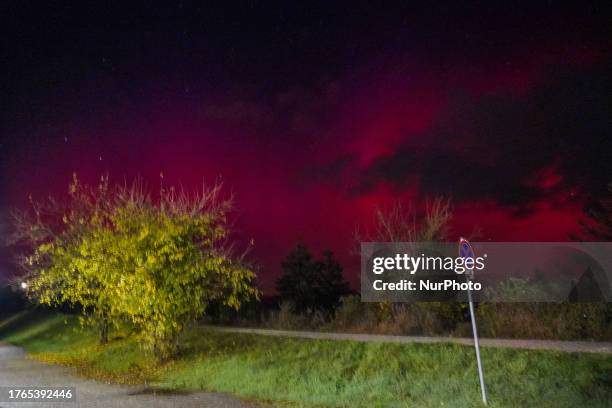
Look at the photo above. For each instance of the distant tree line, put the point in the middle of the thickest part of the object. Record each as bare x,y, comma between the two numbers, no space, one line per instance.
300,308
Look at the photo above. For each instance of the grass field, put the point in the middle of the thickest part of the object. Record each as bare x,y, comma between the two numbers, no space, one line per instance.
325,373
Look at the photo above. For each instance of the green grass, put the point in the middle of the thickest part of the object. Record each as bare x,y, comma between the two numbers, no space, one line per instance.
325,373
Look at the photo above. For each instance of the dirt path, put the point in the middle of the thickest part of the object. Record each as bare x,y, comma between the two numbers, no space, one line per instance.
564,346
16,370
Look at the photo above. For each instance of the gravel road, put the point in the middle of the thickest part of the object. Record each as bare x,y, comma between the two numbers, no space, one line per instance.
16,370
554,345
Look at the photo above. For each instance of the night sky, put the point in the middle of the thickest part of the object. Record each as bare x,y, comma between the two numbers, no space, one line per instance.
315,115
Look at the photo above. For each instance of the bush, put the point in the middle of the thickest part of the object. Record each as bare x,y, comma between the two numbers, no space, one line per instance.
389,318
561,321
353,314
122,255
287,319
434,318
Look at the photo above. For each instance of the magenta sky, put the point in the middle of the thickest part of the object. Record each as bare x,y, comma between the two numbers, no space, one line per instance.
313,120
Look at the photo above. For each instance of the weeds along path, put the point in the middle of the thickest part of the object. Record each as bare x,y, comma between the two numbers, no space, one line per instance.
16,370
553,345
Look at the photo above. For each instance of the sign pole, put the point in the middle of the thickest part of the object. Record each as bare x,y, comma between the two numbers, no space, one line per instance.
466,251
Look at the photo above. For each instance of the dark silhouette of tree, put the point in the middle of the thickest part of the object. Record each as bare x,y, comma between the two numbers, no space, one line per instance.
598,226
311,285
331,285
297,283
586,289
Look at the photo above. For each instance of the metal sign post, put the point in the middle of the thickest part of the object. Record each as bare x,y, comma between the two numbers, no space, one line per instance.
466,251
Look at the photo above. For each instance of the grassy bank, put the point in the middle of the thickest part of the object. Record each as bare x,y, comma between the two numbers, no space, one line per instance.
313,373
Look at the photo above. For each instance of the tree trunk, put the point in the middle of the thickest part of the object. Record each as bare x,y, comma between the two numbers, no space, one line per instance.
104,331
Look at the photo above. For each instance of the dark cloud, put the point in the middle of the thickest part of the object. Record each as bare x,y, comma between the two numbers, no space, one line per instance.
512,149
